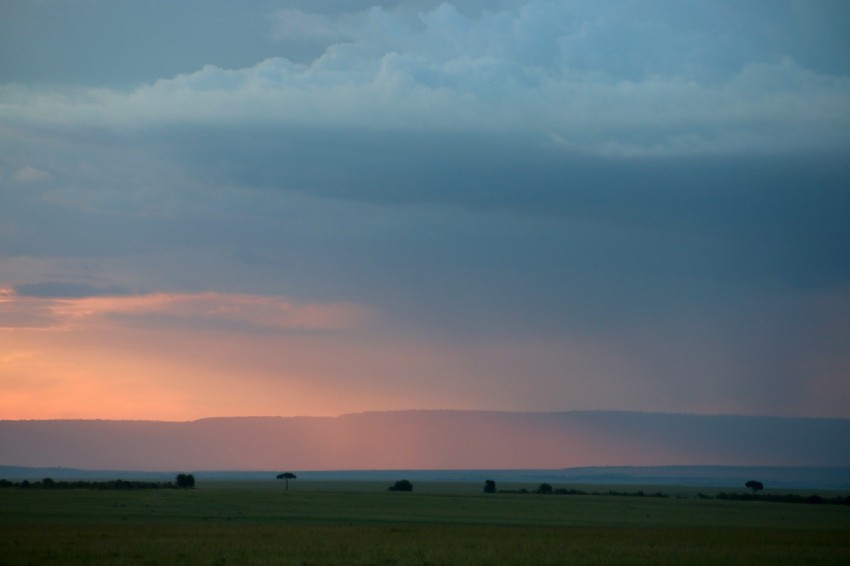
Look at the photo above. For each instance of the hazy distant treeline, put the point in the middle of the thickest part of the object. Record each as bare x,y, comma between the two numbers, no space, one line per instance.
546,488
784,498
48,483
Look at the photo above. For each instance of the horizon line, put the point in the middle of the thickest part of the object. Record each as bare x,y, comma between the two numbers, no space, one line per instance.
444,410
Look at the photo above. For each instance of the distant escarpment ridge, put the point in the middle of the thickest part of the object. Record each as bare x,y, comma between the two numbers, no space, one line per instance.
428,440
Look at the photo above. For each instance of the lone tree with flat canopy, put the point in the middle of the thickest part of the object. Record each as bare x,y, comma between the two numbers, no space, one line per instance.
286,476
754,485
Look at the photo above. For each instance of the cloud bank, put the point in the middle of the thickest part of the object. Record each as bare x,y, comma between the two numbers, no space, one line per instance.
598,80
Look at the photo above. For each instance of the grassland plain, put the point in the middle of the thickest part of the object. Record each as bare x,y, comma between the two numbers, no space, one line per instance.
439,523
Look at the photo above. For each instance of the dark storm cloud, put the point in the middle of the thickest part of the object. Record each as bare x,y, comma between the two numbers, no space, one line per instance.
727,216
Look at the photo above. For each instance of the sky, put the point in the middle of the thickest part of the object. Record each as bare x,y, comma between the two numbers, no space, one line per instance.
211,208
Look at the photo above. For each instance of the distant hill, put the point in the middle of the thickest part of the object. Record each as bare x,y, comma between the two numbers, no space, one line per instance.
421,440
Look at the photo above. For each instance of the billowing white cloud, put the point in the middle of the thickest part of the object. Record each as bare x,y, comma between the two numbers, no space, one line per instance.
586,79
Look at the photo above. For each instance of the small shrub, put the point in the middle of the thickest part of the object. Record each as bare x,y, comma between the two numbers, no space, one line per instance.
401,485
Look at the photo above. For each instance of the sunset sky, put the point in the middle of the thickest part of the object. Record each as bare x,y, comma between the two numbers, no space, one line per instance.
315,207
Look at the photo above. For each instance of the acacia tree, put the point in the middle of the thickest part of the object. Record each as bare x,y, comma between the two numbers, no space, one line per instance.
286,476
489,486
754,485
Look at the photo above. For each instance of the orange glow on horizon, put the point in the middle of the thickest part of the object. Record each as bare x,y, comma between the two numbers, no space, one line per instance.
168,356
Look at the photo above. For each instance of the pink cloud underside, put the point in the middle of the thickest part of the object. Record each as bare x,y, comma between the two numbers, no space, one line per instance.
188,309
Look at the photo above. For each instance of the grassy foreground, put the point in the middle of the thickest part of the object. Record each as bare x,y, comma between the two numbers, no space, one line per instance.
336,522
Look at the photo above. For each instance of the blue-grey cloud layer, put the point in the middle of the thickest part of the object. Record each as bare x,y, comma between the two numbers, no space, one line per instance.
666,183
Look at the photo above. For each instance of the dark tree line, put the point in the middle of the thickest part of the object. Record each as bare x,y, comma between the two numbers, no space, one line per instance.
181,481
784,498
547,489
48,483
755,486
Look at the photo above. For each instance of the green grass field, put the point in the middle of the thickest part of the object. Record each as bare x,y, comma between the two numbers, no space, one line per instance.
439,523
